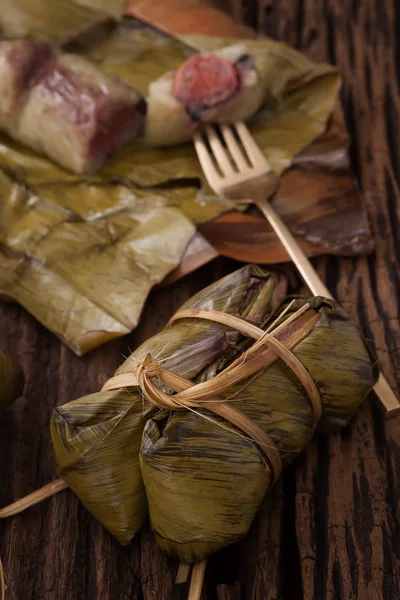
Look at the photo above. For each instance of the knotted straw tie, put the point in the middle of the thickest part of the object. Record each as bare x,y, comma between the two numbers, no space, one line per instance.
148,375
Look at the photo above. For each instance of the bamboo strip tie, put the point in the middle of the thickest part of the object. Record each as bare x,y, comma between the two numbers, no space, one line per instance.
148,375
43,493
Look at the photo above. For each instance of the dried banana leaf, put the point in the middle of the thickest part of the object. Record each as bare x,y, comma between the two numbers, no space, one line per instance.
12,380
82,253
58,20
201,479
86,280
112,7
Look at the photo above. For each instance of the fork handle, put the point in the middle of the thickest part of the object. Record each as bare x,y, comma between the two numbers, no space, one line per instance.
389,402
297,255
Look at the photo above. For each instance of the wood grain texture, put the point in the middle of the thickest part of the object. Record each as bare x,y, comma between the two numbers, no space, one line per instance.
330,529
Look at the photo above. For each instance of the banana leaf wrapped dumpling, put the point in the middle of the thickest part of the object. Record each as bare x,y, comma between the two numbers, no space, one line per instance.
97,438
201,476
204,483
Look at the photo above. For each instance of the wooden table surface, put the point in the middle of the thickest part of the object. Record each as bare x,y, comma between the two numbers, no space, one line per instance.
330,529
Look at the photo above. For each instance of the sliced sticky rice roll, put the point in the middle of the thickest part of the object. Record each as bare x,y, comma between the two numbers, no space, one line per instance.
18,61
63,106
210,87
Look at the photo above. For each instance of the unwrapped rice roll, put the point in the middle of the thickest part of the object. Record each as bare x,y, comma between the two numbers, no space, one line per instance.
63,106
210,87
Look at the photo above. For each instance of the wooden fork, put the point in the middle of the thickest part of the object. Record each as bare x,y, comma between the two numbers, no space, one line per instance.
236,168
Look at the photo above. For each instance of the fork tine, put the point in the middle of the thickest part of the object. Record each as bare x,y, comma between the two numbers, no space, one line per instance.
254,153
220,154
234,147
205,160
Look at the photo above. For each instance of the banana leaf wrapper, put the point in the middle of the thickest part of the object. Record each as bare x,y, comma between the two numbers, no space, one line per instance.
12,380
78,251
201,479
56,20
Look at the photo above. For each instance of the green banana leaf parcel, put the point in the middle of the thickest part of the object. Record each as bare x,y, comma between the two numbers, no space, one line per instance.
200,481
81,253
